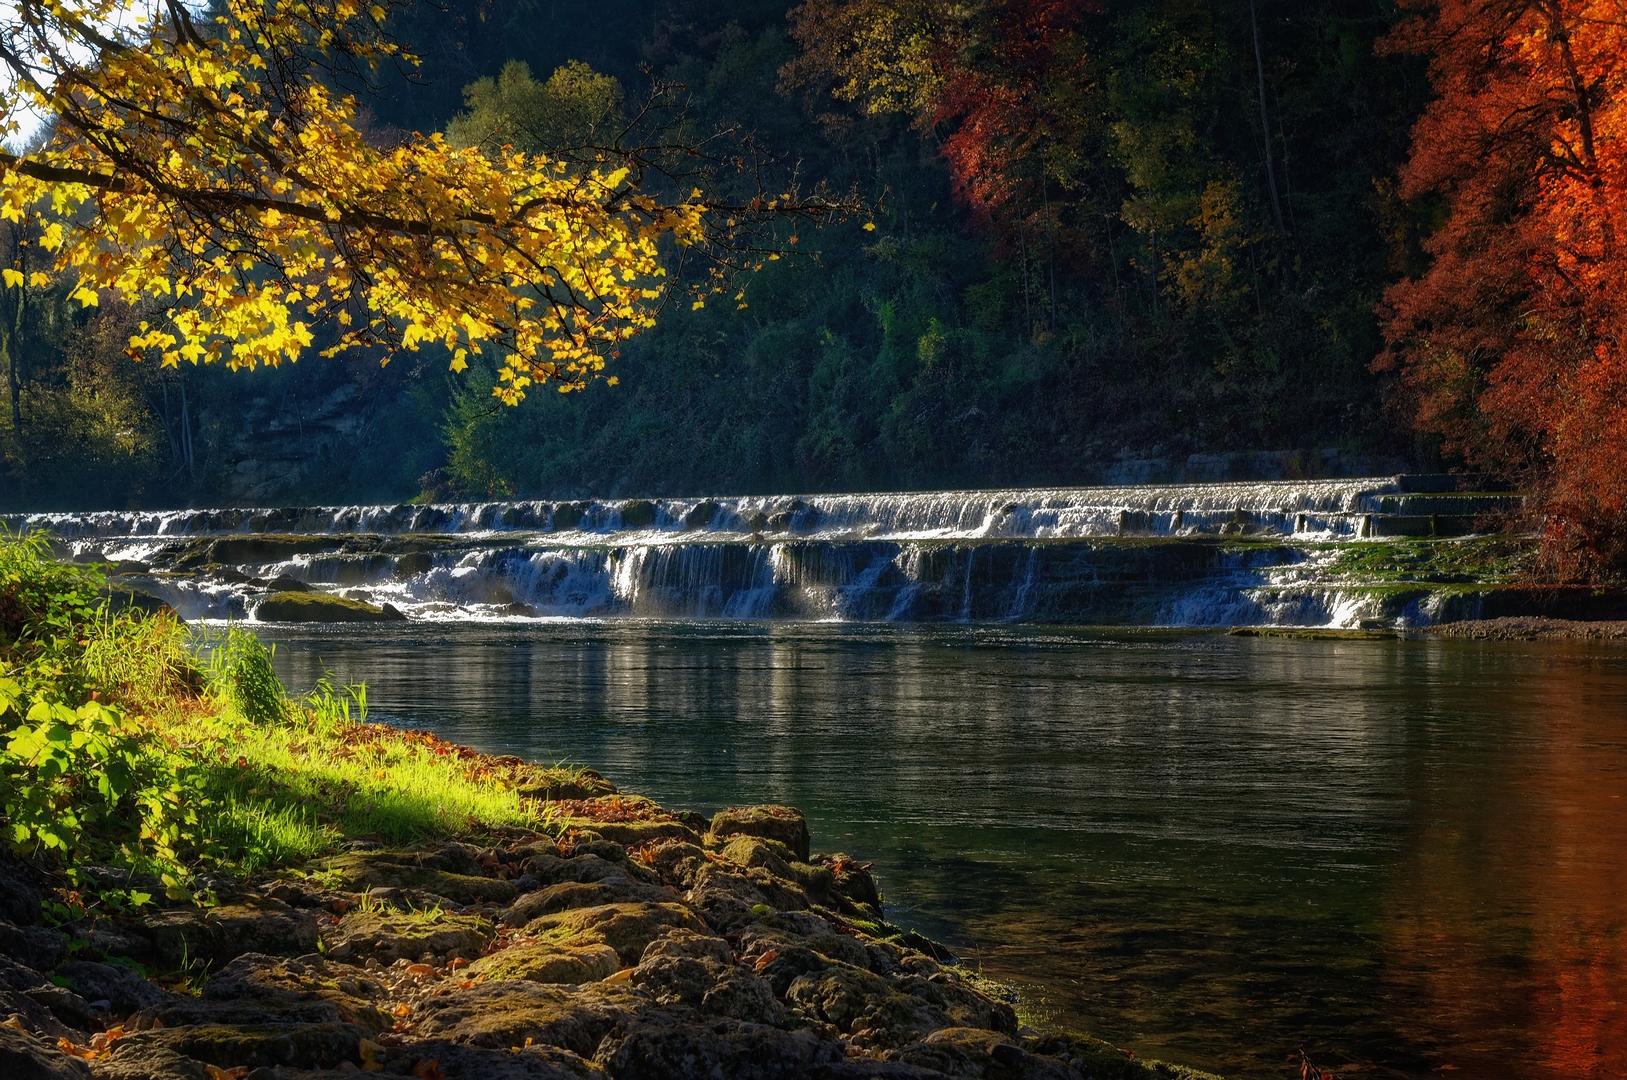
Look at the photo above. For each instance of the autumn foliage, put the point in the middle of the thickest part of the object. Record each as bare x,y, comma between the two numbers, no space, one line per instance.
218,176
1004,80
1512,346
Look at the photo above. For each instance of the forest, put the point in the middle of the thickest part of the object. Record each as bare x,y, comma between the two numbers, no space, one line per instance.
1095,231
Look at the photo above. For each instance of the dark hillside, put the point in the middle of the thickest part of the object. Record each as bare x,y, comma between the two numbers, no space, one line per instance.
1125,292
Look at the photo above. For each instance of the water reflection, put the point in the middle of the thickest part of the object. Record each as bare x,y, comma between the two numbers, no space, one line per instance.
1402,856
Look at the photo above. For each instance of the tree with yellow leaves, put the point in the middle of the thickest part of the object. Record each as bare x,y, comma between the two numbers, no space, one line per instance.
216,176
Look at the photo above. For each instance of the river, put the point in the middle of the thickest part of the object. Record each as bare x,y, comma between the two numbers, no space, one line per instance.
1401,856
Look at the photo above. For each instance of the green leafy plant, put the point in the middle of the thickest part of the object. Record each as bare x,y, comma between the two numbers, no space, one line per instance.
241,673
64,768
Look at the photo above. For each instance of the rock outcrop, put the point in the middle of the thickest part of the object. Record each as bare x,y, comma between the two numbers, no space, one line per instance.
289,606
727,950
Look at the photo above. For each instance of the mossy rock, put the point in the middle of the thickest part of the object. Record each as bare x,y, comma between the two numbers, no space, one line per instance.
567,516
362,870
258,985
556,784
752,851
627,928
505,1014
251,925
300,1046
700,515
321,608
392,935
269,549
545,961
782,823
121,598
637,514
627,833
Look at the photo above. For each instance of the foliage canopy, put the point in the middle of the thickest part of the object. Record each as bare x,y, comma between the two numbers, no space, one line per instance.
220,175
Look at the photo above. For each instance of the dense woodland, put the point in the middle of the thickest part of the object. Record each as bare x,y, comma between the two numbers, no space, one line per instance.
1128,228
1126,289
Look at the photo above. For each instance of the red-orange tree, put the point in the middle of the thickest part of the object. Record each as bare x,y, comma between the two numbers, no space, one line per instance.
1003,81
1513,345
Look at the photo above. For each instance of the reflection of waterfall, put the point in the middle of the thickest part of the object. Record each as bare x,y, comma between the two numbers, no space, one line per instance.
1196,554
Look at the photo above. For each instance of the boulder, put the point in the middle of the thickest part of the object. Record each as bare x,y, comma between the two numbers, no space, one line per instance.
320,608
420,871
256,924
545,961
388,936
783,823
36,946
505,1014
300,1046
35,1018
637,514
626,928
27,1057
864,1005
455,1062
22,890
612,889
961,1051
150,1063
121,987
275,982
740,1051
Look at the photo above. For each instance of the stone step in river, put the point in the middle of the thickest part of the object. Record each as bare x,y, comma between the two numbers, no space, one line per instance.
1401,550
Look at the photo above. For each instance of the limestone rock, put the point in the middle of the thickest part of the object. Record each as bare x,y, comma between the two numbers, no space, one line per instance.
28,1057
864,1005
36,946
545,961
611,889
626,928
388,936
363,870
973,1052
456,1062
505,1014
226,1047
321,608
35,1017
737,1050
120,986
151,1063
268,980
783,823
22,889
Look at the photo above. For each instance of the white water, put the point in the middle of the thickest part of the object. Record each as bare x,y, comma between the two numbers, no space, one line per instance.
1288,507
1054,555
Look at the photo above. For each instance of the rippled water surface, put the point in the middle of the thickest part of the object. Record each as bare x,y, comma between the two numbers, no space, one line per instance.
1408,858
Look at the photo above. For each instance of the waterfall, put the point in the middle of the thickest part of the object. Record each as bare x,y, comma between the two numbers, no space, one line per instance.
1192,554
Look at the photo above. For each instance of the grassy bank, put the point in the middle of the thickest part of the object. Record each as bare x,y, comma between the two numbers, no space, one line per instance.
133,741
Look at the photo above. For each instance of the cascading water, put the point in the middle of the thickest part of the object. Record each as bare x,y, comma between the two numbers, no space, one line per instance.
1194,554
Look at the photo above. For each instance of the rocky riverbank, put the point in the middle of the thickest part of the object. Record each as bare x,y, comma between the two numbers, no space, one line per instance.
1530,628
621,941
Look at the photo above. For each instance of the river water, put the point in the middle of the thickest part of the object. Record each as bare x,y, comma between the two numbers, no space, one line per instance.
1404,857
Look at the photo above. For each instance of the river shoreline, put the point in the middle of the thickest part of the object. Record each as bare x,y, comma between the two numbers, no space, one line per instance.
621,940
1531,628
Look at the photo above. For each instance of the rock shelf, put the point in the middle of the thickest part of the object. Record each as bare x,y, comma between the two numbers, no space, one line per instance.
630,942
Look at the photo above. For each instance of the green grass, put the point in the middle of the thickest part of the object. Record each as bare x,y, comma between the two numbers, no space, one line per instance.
131,740
1481,560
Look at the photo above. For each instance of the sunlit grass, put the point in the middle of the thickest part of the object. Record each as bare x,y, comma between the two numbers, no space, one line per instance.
244,776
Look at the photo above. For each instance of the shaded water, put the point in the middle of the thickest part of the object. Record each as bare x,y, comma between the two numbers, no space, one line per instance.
1402,856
